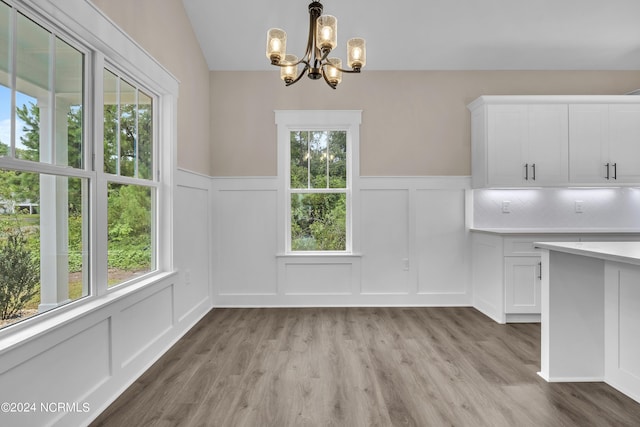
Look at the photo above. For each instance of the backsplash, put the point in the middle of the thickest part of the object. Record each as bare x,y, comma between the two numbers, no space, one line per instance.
556,208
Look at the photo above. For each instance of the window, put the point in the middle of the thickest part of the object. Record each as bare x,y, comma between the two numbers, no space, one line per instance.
131,191
44,185
78,202
318,169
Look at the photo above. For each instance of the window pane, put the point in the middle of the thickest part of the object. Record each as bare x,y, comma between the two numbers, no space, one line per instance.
318,153
145,136
43,243
32,85
111,118
5,120
5,92
128,131
337,159
318,221
131,238
69,105
299,159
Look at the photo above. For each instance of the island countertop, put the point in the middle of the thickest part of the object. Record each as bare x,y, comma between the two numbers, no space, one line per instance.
555,230
626,252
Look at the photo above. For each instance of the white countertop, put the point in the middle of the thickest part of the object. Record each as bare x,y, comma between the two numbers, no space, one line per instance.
627,252
556,230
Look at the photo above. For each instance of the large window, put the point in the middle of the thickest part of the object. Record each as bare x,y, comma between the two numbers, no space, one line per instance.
316,163
77,211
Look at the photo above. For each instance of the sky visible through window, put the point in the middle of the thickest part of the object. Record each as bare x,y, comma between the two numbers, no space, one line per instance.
5,115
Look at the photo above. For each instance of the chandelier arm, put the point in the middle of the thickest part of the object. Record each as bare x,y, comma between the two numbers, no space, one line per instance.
302,61
313,16
351,71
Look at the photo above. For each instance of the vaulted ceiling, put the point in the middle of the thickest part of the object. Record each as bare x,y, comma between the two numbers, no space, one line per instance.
432,34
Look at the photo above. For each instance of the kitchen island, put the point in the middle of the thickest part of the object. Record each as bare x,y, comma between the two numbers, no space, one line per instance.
591,313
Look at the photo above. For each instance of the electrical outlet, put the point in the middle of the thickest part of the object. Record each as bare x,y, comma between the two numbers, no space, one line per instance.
405,264
506,206
579,206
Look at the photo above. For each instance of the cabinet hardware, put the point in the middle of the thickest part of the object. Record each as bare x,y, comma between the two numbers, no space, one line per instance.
615,171
540,267
526,171
607,166
534,171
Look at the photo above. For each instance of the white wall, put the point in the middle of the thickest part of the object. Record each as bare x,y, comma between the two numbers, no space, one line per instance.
414,247
90,359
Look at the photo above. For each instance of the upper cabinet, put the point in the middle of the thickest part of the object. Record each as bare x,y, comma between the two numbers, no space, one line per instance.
604,141
546,141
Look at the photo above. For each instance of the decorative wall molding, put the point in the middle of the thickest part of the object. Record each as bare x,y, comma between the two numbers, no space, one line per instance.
414,247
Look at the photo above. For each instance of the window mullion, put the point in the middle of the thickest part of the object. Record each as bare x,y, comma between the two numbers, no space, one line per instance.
327,160
118,130
136,140
308,160
13,79
51,116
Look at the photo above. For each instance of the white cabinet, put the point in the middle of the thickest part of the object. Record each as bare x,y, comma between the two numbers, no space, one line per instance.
604,141
507,271
624,143
588,143
522,284
527,145
547,141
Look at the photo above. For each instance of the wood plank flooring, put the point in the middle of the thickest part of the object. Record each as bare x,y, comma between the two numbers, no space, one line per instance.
360,367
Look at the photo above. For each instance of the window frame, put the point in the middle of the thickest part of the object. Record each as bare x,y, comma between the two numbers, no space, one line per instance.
288,121
103,46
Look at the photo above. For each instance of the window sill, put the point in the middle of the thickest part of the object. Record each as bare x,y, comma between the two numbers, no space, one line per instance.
30,329
319,255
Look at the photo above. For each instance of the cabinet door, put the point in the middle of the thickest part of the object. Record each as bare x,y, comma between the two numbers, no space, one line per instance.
547,149
588,145
506,138
624,142
522,284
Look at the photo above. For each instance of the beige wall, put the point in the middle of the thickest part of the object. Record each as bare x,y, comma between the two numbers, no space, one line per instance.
413,123
162,28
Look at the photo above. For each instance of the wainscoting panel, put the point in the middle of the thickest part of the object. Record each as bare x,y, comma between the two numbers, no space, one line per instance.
384,229
135,335
440,216
193,236
247,241
317,279
410,248
73,368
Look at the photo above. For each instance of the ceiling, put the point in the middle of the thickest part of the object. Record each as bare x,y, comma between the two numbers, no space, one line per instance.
432,34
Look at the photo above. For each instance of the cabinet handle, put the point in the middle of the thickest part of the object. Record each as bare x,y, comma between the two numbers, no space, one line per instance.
534,171
526,171
540,267
607,166
615,171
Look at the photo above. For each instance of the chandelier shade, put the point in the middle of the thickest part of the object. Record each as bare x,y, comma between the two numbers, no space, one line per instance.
322,40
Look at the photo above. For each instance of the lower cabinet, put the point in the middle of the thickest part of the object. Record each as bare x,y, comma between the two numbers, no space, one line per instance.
507,270
522,284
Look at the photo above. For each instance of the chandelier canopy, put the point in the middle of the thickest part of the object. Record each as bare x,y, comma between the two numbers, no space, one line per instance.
322,40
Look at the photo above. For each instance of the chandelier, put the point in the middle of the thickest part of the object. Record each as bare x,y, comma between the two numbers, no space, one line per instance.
322,40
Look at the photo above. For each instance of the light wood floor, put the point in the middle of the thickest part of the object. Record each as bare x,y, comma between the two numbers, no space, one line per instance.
360,367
